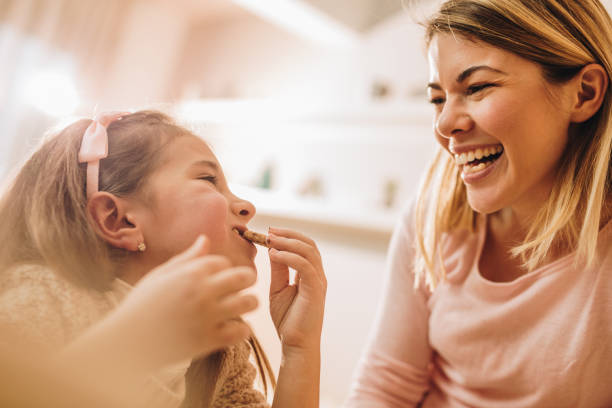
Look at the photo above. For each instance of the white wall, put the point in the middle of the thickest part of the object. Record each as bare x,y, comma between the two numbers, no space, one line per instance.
146,57
248,57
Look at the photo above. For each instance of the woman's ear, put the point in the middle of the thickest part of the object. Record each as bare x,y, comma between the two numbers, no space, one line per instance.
112,221
591,86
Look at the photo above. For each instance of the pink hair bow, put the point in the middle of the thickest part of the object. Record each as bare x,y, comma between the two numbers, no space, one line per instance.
94,146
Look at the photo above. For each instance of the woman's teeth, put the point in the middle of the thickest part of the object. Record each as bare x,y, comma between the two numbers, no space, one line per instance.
467,169
478,159
477,154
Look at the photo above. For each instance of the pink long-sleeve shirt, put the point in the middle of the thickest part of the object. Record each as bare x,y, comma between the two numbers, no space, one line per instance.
542,340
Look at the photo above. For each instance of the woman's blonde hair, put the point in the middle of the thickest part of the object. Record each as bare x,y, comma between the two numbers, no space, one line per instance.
562,36
44,217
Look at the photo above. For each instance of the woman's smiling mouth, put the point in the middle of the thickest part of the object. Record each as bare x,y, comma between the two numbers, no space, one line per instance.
478,159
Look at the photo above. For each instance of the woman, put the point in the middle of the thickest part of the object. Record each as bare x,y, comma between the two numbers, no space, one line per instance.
499,290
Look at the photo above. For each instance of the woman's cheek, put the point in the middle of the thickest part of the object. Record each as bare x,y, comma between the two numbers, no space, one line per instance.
442,141
500,116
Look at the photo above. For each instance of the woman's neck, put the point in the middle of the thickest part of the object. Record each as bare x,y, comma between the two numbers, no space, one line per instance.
509,227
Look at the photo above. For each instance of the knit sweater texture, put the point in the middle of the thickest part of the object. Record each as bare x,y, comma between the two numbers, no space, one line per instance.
44,311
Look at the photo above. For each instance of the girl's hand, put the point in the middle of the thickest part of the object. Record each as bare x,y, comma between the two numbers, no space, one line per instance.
297,310
189,306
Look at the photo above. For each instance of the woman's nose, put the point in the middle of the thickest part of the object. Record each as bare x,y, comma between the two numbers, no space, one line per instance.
452,121
243,208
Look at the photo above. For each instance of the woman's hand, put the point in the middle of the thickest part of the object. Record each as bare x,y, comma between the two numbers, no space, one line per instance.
187,307
296,309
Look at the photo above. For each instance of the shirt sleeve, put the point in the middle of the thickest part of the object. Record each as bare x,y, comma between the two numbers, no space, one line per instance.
394,368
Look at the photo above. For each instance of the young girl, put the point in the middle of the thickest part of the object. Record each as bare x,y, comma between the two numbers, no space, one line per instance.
499,291
122,250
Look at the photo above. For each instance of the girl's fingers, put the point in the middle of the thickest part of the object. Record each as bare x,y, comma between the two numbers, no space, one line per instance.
200,246
307,272
231,332
231,280
235,306
279,275
203,267
301,245
287,233
297,246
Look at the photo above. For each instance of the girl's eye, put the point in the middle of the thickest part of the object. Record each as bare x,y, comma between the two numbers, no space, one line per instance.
210,179
477,88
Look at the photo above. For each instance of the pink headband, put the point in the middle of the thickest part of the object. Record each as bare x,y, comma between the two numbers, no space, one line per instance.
94,146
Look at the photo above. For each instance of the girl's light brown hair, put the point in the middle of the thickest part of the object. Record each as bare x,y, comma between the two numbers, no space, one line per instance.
561,36
44,218
44,209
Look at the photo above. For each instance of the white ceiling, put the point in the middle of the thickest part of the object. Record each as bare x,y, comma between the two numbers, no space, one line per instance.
212,9
359,15
356,15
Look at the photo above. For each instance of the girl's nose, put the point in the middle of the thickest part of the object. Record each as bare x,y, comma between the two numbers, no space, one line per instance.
453,121
243,208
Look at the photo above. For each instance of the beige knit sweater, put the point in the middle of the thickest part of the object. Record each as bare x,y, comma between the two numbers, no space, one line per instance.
45,311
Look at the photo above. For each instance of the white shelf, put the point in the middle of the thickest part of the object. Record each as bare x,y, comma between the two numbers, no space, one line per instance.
237,111
278,205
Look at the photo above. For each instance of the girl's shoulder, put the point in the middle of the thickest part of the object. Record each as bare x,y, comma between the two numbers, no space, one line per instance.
39,307
39,283
31,277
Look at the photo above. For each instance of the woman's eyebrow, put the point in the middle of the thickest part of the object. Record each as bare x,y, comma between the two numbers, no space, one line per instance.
467,73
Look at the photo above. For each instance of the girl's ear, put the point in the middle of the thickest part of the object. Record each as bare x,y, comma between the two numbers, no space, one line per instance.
591,86
112,221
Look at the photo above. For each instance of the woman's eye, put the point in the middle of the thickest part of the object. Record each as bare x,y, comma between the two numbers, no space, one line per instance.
477,88
436,101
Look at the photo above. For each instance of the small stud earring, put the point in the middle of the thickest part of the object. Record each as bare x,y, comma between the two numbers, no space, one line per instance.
142,247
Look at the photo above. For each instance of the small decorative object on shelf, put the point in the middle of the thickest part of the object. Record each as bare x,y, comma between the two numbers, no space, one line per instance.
380,90
265,180
390,193
312,187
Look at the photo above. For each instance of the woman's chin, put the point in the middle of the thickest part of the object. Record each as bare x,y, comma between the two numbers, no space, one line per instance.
483,205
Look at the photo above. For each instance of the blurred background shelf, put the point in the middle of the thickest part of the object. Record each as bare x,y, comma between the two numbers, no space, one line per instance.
319,213
414,112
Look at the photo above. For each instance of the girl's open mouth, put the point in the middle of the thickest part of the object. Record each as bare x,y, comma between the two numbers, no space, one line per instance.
252,236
